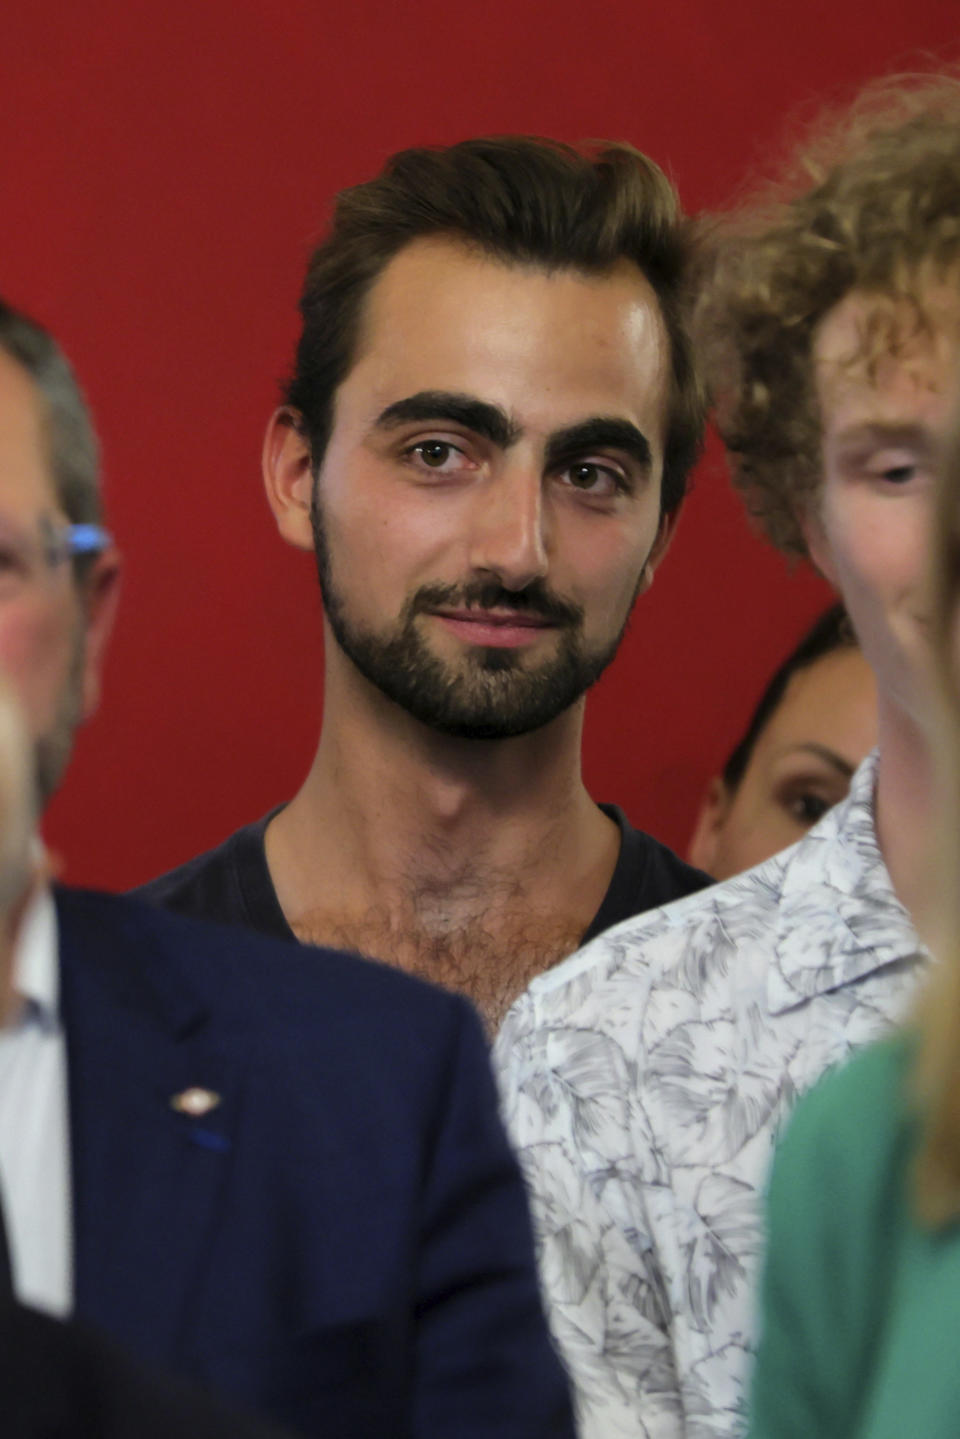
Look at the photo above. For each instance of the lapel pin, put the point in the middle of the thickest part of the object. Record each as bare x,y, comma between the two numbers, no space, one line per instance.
195,1101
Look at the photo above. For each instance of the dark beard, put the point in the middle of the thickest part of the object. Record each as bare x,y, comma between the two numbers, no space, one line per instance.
493,694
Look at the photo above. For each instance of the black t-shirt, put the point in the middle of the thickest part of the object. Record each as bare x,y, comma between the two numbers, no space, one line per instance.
231,884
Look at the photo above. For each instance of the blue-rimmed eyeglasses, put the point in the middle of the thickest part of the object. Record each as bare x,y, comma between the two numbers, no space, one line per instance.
29,555
67,542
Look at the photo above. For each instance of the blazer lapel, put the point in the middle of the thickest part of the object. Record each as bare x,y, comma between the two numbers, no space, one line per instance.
146,1173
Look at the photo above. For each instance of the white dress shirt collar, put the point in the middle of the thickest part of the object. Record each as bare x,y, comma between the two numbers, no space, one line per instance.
34,1118
36,972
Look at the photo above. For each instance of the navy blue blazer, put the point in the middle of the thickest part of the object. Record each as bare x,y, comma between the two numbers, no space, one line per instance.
59,1378
342,1242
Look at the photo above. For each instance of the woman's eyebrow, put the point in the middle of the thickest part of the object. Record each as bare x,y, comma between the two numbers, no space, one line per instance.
829,756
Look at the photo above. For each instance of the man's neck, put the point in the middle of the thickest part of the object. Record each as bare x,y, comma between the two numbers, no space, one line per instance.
387,800
905,804
476,863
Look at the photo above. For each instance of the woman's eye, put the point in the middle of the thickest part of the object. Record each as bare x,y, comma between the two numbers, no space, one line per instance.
807,808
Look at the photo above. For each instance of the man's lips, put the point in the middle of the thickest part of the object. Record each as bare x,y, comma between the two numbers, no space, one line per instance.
507,629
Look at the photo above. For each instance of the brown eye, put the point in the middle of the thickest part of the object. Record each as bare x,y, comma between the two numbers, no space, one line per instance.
584,476
807,808
591,478
434,453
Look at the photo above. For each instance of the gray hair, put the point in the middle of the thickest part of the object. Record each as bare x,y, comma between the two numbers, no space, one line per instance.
73,451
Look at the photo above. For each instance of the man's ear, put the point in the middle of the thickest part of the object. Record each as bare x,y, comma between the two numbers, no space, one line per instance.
665,533
705,840
100,591
818,546
288,476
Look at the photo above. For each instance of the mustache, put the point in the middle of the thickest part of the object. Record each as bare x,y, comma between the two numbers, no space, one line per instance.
489,594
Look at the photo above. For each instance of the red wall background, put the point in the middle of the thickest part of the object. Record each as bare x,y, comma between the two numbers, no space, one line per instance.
163,172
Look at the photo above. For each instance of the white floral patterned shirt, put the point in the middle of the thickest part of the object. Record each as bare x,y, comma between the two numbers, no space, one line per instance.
645,1079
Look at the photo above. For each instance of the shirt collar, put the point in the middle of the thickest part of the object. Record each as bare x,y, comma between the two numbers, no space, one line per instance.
36,974
838,915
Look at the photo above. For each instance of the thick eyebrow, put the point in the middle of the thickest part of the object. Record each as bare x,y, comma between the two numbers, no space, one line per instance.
828,756
437,406
600,433
495,425
880,432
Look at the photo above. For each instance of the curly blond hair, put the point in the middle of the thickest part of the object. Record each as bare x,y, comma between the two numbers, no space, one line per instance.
882,215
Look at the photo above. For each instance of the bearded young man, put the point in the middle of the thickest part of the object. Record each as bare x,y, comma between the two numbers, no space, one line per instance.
646,1077
485,442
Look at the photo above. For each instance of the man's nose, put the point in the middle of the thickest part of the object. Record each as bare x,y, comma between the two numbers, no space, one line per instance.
509,538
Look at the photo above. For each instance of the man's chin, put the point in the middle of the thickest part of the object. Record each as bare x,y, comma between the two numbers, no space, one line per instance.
493,660
488,692
498,700
489,728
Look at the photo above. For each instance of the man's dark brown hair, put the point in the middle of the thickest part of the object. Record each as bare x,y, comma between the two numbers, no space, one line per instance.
521,200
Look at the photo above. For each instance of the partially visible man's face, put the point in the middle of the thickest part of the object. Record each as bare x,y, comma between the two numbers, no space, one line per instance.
490,496
42,621
882,435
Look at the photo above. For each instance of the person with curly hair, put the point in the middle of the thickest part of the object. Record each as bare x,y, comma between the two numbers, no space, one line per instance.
860,1289
646,1078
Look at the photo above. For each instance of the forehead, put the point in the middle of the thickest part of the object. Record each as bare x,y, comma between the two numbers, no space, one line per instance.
25,481
827,703
874,361
550,347
817,693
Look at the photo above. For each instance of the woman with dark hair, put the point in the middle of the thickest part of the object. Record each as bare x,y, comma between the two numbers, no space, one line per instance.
813,724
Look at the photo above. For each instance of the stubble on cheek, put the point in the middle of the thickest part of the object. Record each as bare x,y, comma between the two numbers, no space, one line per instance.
43,657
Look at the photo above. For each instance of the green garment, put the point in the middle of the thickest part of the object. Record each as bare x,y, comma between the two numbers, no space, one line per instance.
860,1305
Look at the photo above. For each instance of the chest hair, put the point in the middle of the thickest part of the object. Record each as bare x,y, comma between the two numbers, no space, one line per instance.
491,958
